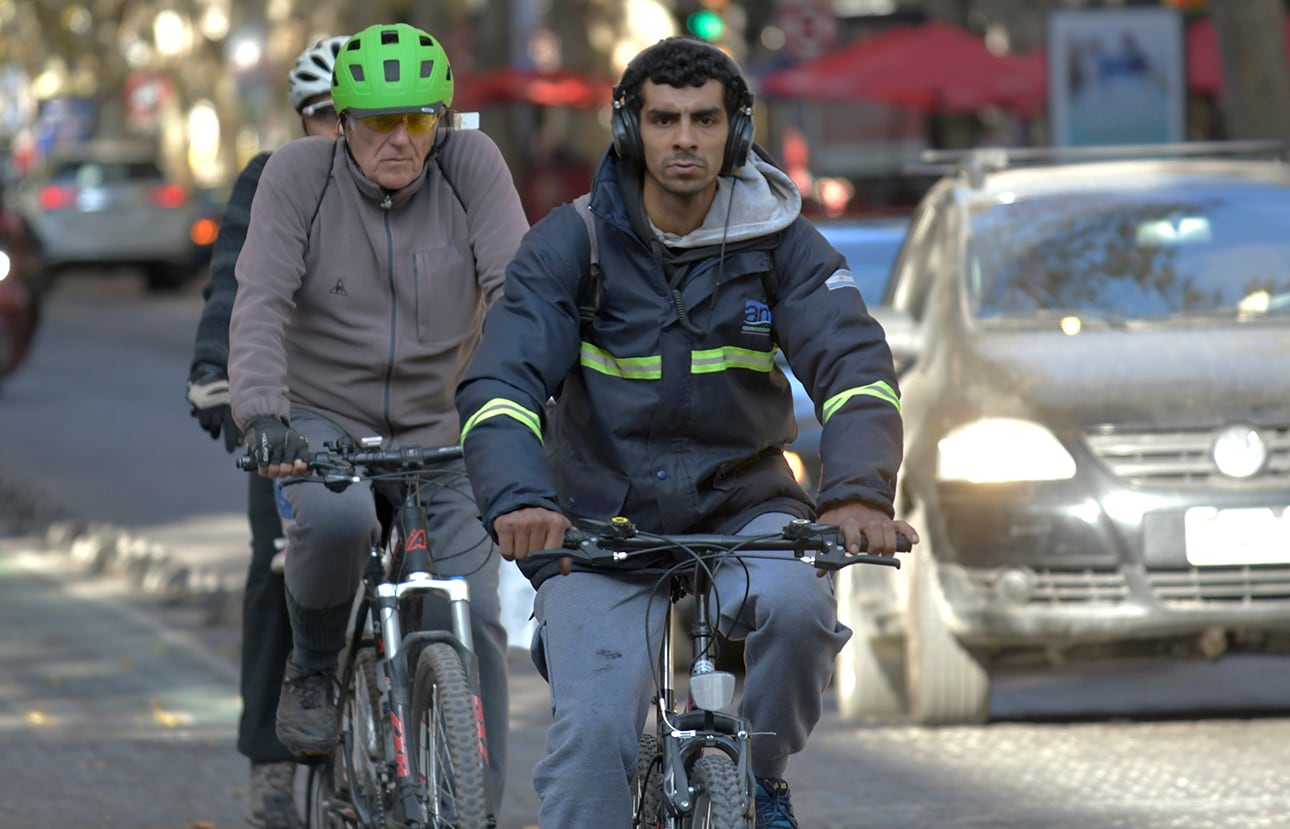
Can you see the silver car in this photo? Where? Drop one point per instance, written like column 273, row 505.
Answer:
column 107, row 204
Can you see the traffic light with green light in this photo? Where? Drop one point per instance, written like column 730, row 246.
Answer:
column 706, row 24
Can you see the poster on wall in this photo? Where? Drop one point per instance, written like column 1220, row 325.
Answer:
column 1116, row 76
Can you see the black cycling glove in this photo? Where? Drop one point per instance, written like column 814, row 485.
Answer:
column 208, row 396
column 269, row 440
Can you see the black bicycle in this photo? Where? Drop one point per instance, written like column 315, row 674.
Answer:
column 694, row 769
column 412, row 752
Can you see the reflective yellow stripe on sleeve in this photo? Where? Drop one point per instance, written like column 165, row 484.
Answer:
column 713, row 360
column 628, row 368
column 879, row 389
column 509, row 408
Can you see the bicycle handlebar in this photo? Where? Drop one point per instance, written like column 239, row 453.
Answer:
column 619, row 540
column 343, row 458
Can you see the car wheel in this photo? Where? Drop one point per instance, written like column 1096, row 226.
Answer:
column 164, row 278
column 947, row 683
column 868, row 678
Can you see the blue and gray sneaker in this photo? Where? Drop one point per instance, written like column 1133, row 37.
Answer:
column 774, row 806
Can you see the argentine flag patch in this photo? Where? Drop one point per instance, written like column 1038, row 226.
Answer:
column 841, row 278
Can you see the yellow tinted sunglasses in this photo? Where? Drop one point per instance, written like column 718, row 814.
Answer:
column 417, row 122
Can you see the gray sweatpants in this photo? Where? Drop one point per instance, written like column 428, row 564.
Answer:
column 328, row 546
column 591, row 646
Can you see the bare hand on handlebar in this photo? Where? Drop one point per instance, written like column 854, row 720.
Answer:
column 858, row 522
column 522, row 531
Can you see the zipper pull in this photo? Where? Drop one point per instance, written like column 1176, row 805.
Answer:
column 386, row 203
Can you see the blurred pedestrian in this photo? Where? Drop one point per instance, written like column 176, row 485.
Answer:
column 266, row 626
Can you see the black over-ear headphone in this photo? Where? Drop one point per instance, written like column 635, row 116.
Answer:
column 624, row 125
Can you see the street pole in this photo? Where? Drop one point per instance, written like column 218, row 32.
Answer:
column 1256, row 86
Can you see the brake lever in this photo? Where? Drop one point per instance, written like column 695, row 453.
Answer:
column 835, row 555
column 582, row 546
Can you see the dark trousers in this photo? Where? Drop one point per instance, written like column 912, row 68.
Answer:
column 266, row 631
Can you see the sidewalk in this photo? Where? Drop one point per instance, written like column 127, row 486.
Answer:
column 203, row 561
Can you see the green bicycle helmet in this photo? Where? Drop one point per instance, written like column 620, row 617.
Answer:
column 391, row 68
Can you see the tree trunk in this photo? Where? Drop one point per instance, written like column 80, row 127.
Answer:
column 1256, row 86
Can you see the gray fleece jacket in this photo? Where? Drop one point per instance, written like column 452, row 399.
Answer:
column 363, row 305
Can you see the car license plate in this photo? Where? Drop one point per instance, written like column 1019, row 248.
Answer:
column 1234, row 537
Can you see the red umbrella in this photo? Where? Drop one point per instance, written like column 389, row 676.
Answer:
column 1204, row 64
column 930, row 67
column 555, row 88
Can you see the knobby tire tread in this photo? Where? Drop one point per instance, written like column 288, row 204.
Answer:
column 440, row 689
column 647, row 785
column 717, row 795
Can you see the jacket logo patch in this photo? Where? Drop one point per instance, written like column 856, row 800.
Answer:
column 756, row 317
column 339, row 288
column 841, row 278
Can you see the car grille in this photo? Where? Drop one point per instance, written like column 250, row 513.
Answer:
column 1227, row 585
column 1178, row 588
column 1060, row 587
column 1180, row 456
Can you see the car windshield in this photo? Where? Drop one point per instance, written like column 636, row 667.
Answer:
column 1181, row 250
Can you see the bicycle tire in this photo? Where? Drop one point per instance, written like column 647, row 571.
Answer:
column 446, row 742
column 320, row 799
column 717, row 795
column 647, row 785
column 358, row 769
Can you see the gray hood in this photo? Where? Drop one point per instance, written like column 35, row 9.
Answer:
column 760, row 199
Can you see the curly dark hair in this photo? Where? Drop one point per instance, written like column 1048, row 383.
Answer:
column 682, row 61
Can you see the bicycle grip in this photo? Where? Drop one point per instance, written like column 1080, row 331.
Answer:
column 902, row 543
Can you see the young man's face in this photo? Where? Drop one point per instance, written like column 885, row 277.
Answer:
column 392, row 159
column 683, row 134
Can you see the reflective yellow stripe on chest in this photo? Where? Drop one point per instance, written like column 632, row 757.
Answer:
column 706, row 361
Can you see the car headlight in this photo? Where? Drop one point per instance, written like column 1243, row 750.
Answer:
column 4, row 265
column 997, row 450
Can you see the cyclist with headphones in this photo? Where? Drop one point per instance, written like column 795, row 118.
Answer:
column 367, row 269
column 670, row 411
column 266, row 629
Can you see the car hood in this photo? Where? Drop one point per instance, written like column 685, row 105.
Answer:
column 1169, row 377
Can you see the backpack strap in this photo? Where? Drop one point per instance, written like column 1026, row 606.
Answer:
column 592, row 290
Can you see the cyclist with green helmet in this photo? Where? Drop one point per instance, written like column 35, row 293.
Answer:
column 368, row 266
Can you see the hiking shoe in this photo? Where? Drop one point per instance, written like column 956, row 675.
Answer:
column 271, row 797
column 774, row 806
column 307, row 710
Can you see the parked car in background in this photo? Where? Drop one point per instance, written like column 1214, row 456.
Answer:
column 1097, row 423
column 870, row 245
column 21, row 285
column 109, row 204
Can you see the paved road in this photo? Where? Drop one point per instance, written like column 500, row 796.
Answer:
column 96, row 423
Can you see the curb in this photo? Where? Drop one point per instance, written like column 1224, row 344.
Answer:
column 100, row 548
column 105, row 549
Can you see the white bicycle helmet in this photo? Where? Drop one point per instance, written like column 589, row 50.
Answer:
column 312, row 73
